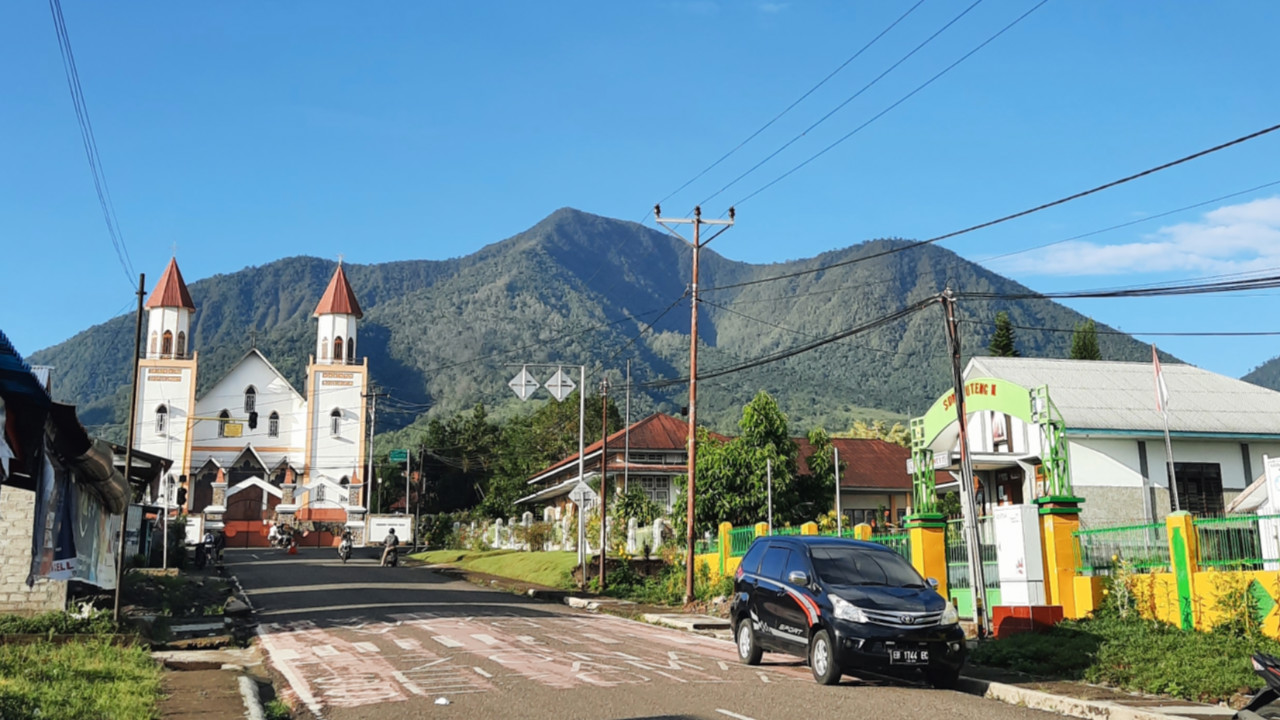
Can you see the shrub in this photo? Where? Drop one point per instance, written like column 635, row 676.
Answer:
column 537, row 535
column 635, row 504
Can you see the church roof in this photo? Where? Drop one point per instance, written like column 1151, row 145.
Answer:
column 171, row 291
column 339, row 298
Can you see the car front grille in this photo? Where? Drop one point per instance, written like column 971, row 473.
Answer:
column 903, row 619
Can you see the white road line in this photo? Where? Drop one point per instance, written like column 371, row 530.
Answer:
column 669, row 675
column 724, row 665
column 734, row 715
column 407, row 644
column 569, row 641
column 367, row 647
column 527, row 640
column 324, row 650
column 486, row 639
column 601, row 639
column 764, row 678
column 482, row 672
column 447, row 641
column 286, row 654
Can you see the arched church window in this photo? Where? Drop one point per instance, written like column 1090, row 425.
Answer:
column 162, row 416
column 324, row 348
column 351, row 349
column 273, row 425
column 319, row 493
column 250, row 399
column 335, row 422
column 154, row 338
column 223, row 418
column 166, row 344
column 345, row 481
column 181, row 350
column 337, row 349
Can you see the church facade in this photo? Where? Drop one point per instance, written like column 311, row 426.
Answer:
column 251, row 447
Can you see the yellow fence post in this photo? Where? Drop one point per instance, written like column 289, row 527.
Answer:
column 725, row 545
column 862, row 531
column 762, row 529
column 927, row 534
column 809, row 528
column 1059, row 520
column 1184, row 555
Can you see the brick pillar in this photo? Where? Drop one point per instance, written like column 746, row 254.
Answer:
column 725, row 547
column 1059, row 519
column 862, row 531
column 1184, row 556
column 927, row 533
column 809, row 528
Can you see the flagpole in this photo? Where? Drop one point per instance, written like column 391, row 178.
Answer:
column 1162, row 402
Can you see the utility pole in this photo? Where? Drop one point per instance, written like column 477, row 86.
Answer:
column 967, row 487
column 369, row 483
column 626, row 439
column 604, row 475
column 697, row 244
column 839, row 510
column 128, row 448
column 768, row 484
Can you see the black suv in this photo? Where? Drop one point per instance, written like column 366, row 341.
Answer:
column 844, row 605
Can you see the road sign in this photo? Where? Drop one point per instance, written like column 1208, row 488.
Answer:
column 582, row 493
column 398, row 456
column 523, row 384
column 560, row 385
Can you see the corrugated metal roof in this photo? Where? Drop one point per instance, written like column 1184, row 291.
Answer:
column 868, row 463
column 1103, row 395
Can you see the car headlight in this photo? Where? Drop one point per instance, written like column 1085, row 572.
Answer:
column 949, row 616
column 846, row 610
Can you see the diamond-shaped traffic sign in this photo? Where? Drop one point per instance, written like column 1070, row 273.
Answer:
column 560, row 385
column 523, row 384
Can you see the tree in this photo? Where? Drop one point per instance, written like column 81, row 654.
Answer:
column 1002, row 341
column 1084, row 342
column 899, row 434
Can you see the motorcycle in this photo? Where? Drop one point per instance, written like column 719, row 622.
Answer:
column 1266, row 704
column 392, row 558
column 344, row 549
column 204, row 551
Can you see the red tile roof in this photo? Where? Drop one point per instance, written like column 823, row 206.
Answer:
column 867, row 463
column 339, row 298
column 656, row 432
column 171, row 291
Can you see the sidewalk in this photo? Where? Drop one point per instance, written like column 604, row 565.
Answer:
column 1082, row 700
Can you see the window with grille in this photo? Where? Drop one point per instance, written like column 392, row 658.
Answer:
column 223, row 418
column 162, row 415
column 1199, row 488
column 273, row 425
column 250, row 399
column 335, row 422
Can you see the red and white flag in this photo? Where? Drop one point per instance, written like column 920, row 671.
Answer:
column 1162, row 390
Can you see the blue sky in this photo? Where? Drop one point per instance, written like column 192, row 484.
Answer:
column 249, row 131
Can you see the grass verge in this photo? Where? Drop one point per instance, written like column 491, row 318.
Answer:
column 550, row 569
column 91, row 678
column 1136, row 655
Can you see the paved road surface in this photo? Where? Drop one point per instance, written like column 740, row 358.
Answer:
column 360, row 641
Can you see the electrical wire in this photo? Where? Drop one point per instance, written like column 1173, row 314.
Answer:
column 1007, row 218
column 1259, row 283
column 1210, row 333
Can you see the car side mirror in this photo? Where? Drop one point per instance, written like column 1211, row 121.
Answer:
column 798, row 577
column 932, row 583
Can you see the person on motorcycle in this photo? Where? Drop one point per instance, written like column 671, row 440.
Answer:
column 344, row 548
column 219, row 544
column 273, row 535
column 389, row 546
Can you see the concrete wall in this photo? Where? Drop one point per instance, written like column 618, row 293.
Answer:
column 17, row 512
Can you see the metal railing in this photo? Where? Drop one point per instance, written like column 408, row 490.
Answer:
column 788, row 531
column 1143, row 548
column 740, row 540
column 957, row 556
column 706, row 547
column 898, row 542
column 1240, row 542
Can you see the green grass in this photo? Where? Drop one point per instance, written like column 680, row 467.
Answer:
column 1136, row 655
column 88, row 679
column 542, row 568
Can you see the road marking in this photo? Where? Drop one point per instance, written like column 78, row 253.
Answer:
column 569, row 641
column 286, row 654
column 527, row 640
column 601, row 639
column 724, row 665
column 367, row 647
column 669, row 675
column 764, row 678
column 447, row 641
column 482, row 672
column 734, row 715
column 324, row 650
column 486, row 639
column 407, row 644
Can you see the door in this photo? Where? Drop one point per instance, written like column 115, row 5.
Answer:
column 793, row 613
column 777, row 607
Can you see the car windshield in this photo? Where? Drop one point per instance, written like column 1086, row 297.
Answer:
column 856, row 566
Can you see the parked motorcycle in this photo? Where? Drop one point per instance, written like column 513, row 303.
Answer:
column 344, row 549
column 1266, row 704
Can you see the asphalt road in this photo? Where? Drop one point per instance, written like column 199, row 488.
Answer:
column 360, row 641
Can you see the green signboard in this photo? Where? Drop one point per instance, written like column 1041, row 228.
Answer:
column 398, row 456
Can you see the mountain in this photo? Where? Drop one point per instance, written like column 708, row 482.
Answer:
column 576, row 287
column 1267, row 374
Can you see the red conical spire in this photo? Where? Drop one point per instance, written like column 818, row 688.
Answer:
column 171, row 291
column 339, row 298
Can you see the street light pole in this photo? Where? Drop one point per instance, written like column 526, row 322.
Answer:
column 690, row 486
column 604, row 475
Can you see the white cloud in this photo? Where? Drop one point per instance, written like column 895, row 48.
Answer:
column 1233, row 238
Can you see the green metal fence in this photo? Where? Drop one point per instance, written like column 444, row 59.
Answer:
column 1143, row 548
column 958, row 586
column 705, row 547
column 740, row 540
column 1237, row 542
column 898, row 542
column 788, row 531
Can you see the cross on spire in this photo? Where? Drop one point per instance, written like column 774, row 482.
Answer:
column 340, row 257
column 253, row 339
column 174, row 249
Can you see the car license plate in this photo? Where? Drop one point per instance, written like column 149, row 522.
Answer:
column 908, row 655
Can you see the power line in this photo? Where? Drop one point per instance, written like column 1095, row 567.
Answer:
column 1007, row 218
column 1259, row 283
column 1211, row 333
column 798, row 100
column 89, row 141
column 848, row 100
column 901, row 100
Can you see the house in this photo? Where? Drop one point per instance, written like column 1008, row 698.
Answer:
column 252, row 446
column 871, row 479
column 1099, row 422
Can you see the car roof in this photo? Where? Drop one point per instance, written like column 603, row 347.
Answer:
column 808, row 541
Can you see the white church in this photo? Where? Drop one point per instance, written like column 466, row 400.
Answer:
column 252, row 447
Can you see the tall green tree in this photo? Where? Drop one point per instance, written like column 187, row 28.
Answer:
column 899, row 434
column 1002, row 340
column 1084, row 342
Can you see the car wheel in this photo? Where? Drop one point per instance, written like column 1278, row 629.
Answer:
column 822, row 659
column 748, row 649
column 942, row 677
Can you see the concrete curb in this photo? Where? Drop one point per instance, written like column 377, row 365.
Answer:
column 1074, row 707
column 252, row 703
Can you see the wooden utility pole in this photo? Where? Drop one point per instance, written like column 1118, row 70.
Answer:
column 604, row 475
column 697, row 244
column 128, row 448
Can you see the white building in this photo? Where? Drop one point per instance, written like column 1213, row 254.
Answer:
column 1220, row 428
column 252, row 443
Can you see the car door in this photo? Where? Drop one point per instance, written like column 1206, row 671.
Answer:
column 795, row 602
column 774, row 599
